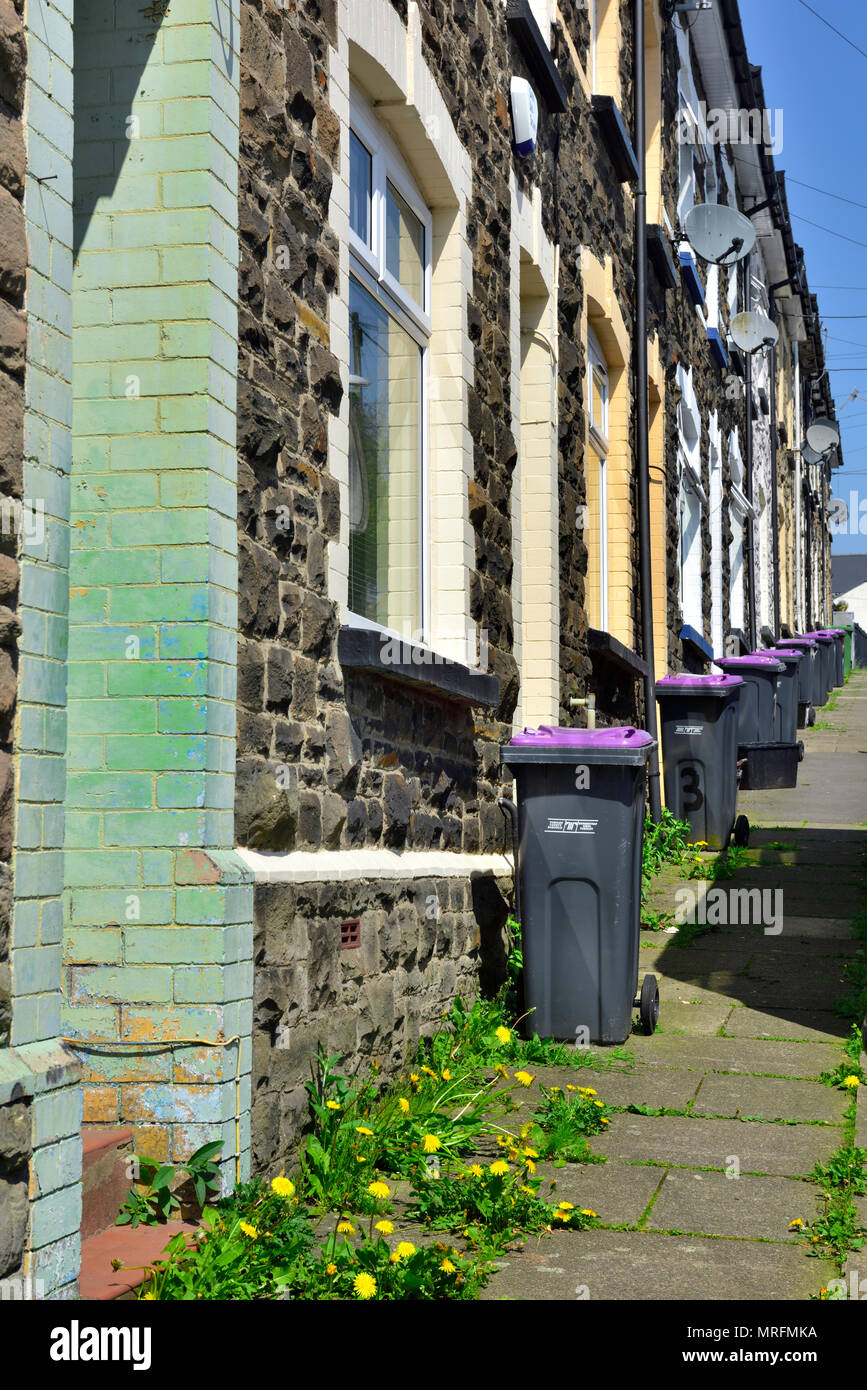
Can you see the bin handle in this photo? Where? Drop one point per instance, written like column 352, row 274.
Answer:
column 510, row 810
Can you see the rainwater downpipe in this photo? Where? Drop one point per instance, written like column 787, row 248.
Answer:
column 641, row 423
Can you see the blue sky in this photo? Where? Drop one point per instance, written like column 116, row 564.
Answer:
column 819, row 83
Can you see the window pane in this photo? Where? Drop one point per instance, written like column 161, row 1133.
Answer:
column 384, row 475
column 360, row 181
column 404, row 245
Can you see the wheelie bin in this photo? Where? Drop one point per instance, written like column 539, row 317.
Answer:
column 765, row 760
column 758, row 700
column 786, row 718
column 580, row 824
column 827, row 660
column 837, row 666
column 700, row 755
column 808, row 676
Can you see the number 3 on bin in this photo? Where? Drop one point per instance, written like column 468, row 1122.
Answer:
column 582, row 777
column 690, row 785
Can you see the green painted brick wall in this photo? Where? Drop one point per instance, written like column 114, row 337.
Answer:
column 157, row 947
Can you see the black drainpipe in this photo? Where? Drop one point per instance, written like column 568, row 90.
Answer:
column 641, row 423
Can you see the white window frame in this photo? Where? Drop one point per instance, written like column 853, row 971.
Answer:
column 367, row 264
column 598, row 433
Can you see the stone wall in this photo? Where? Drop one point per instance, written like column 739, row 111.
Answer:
column 15, row 1151
column 423, row 942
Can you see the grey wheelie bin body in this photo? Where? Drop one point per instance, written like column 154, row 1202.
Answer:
column 700, row 752
column 808, row 673
column 758, row 699
column 837, row 663
column 786, row 719
column 580, row 796
column 827, row 661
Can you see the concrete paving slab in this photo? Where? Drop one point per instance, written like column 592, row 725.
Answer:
column 646, row 1266
column 779, row 1150
column 770, row 1098
column 749, row 1207
column 619, row 1193
column 749, row 1055
column 812, row 1025
column 648, row 1086
column 704, row 1019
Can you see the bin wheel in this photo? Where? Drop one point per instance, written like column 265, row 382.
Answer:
column 741, row 832
column 800, row 751
column 811, row 717
column 648, row 1004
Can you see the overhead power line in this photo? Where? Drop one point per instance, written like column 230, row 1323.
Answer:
column 825, row 192
column 829, row 25
column 830, row 230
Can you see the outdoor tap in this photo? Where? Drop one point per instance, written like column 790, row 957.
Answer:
column 587, row 701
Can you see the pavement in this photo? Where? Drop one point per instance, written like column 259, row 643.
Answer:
column 720, row 1115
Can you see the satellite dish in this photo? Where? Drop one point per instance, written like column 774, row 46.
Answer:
column 752, row 331
column 823, row 435
column 718, row 233
column 809, row 455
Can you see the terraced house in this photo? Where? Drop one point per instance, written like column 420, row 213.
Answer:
column 322, row 407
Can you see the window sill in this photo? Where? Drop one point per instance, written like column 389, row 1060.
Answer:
column 607, row 648
column 691, row 638
column 373, row 650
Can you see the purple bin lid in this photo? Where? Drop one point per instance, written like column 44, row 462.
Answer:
column 821, row 635
column 781, row 653
column 799, row 642
column 549, row 736
column 684, row 679
column 830, row 632
column 756, row 662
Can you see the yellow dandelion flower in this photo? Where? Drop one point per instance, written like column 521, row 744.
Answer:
column 405, row 1249
column 345, row 1228
column 249, row 1230
column 852, row 1082
column 427, row 1071
column 332, row 1105
column 446, row 1266
column 587, row 1211
column 362, row 1129
column 379, row 1189
column 796, row 1224
column 529, row 1165
column 415, row 1078
column 589, row 1091
column 499, row 1168
column 529, row 1191
column 283, row 1186
column 530, row 1153
column 331, row 1268
column 560, row 1216
column 603, row 1119
column 503, row 1035
column 447, row 1076
column 566, row 1206
column 524, row 1077
column 403, row 1104
column 476, row 1170
column 385, row 1227
column 572, row 1088
column 430, row 1143
column 599, row 1103
column 364, row 1285
column 394, row 1258
column 360, row 1158
column 501, row 1071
